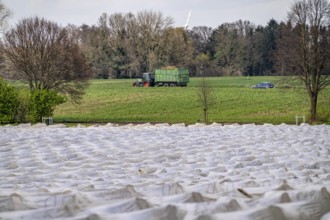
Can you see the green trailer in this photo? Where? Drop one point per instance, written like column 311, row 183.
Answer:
column 171, row 77
column 164, row 77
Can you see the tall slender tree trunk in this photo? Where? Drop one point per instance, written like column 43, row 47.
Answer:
column 313, row 109
column 205, row 116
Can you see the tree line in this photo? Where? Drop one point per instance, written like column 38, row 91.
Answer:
column 60, row 60
column 126, row 45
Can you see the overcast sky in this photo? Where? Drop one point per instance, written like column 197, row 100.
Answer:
column 210, row 13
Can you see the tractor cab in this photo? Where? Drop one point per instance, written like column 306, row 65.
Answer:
column 148, row 79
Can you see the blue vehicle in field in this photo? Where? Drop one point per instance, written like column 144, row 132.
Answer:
column 264, row 85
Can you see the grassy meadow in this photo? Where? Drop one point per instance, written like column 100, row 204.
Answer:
column 117, row 101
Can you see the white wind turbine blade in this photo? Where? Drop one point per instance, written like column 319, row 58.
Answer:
column 186, row 25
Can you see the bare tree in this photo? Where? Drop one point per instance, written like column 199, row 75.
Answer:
column 206, row 97
column 311, row 20
column 201, row 36
column 44, row 55
column 5, row 14
column 129, row 44
column 150, row 37
column 123, row 58
column 178, row 47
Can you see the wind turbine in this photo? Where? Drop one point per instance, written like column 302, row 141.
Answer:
column 186, row 25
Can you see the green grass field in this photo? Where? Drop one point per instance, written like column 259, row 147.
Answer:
column 117, row 101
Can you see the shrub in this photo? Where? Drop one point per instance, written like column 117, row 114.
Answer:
column 42, row 103
column 24, row 106
column 8, row 102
